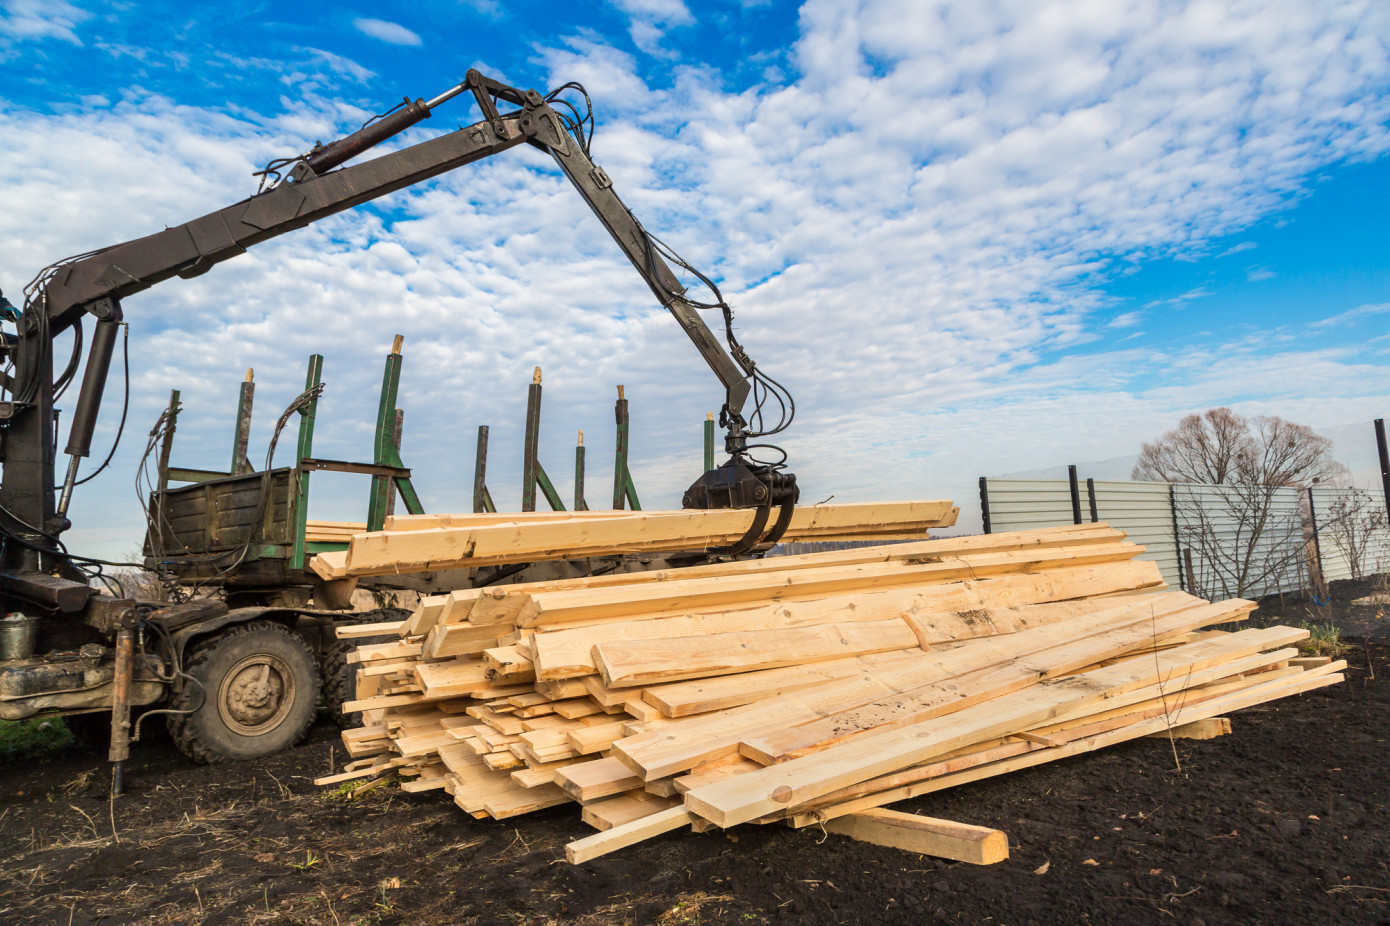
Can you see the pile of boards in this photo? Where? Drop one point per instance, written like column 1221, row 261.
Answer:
column 421, row 543
column 801, row 689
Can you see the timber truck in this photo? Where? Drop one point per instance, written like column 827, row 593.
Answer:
column 237, row 669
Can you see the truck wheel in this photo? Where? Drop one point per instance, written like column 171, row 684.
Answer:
column 340, row 676
column 260, row 692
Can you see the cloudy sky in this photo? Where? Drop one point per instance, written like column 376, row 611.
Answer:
column 972, row 237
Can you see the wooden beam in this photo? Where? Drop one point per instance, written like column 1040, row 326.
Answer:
column 747, row 797
column 681, row 595
column 960, row 842
column 1252, row 695
column 645, row 661
column 503, row 603
column 386, row 552
column 627, row 834
column 1207, row 729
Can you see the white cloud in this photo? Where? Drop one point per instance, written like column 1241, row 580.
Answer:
column 1352, row 315
column 909, row 233
column 650, row 20
column 29, row 20
column 389, row 32
column 1126, row 320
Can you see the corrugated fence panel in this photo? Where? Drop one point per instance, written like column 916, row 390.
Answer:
column 1352, row 535
column 1026, row 504
column 1143, row 511
column 1140, row 509
column 1241, row 546
column 1243, row 542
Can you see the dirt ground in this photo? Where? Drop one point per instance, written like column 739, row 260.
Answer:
column 1285, row 820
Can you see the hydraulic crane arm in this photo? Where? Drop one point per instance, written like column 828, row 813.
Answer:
column 316, row 191
column 317, row 185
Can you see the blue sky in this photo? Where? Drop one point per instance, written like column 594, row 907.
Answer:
column 972, row 237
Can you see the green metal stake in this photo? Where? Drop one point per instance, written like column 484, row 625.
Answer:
column 396, row 431
column 166, row 447
column 579, row 503
column 381, row 449
column 241, row 465
column 384, row 452
column 482, row 498
column 307, row 415
column 709, row 441
column 623, row 489
column 532, row 472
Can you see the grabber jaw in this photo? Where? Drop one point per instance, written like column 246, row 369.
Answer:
column 736, row 484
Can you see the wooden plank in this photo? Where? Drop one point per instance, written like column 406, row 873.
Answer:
column 452, row 679
column 717, row 770
column 426, row 614
column 524, row 800
column 681, row 699
column 939, row 613
column 358, row 631
column 1062, row 730
column 960, row 842
column 504, row 603
column 507, row 660
column 627, row 834
column 387, row 552
column 590, row 781
column 639, row 662
column 407, row 522
column 373, row 652
column 1207, row 729
column 703, row 594
column 562, row 690
column 700, row 739
column 460, row 640
column 578, row 707
column 747, row 797
column 1036, row 654
column 1255, row 694
column 624, row 808
column 595, row 739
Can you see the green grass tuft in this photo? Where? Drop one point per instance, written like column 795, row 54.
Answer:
column 1323, row 640
column 35, row 736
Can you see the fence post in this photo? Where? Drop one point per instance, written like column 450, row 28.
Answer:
column 1091, row 494
column 1185, row 584
column 1317, row 541
column 984, row 503
column 1191, row 579
column 1075, row 495
column 1384, row 462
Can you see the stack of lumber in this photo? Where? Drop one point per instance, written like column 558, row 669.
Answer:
column 803, row 689
column 422, row 543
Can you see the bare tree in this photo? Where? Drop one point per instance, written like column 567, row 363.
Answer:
column 1353, row 523
column 1238, row 502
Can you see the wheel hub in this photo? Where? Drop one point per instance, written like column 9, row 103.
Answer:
column 256, row 694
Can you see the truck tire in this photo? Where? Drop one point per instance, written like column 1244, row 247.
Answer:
column 259, row 695
column 340, row 676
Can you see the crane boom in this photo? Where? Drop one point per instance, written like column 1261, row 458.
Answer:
column 317, row 185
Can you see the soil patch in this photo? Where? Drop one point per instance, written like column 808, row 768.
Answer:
column 1284, row 820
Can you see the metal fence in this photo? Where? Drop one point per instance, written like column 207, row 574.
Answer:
column 1352, row 538
column 1216, row 541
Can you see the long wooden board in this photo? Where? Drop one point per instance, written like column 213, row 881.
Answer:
column 747, row 797
column 388, row 552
